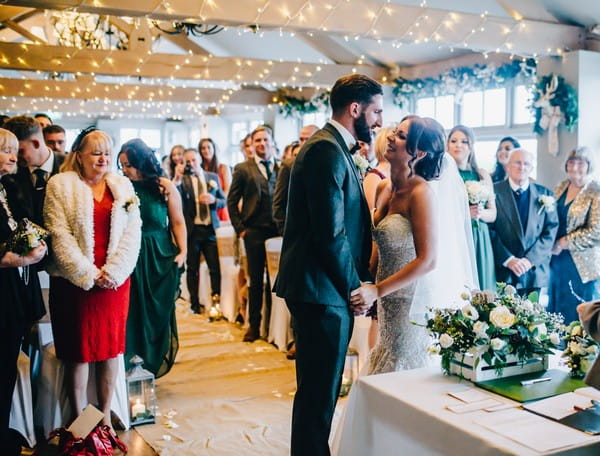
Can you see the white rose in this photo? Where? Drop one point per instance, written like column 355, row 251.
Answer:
column 542, row 330
column 470, row 312
column 480, row 328
column 576, row 331
column 502, row 317
column 510, row 291
column 497, row 344
column 446, row 340
column 555, row 338
column 527, row 305
column 490, row 296
column 576, row 348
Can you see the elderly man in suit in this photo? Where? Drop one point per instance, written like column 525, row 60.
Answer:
column 201, row 196
column 525, row 227
column 589, row 314
column 325, row 255
column 37, row 163
column 253, row 183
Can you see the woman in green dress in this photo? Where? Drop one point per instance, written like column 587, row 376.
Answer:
column 151, row 323
column 461, row 141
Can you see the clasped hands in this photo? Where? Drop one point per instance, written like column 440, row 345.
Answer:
column 206, row 198
column 519, row 266
column 104, row 281
column 363, row 297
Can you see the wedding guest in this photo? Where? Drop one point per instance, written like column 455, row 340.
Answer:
column 202, row 196
column 525, row 227
column 246, row 147
column 21, row 302
column 288, row 151
column 589, row 314
column 253, row 183
column 55, row 138
column 505, row 145
column 575, row 264
column 461, row 146
column 306, row 132
column 325, row 255
column 151, row 324
column 176, row 163
column 43, row 120
column 280, row 198
column 37, row 164
column 94, row 221
column 210, row 163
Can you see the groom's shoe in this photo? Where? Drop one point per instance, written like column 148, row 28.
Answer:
column 251, row 335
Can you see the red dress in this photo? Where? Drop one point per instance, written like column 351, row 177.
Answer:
column 89, row 326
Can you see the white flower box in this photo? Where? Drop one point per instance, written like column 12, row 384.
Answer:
column 462, row 365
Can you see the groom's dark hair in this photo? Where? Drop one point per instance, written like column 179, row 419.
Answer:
column 353, row 88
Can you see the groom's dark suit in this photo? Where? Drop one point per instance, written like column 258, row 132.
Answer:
column 325, row 254
column 533, row 241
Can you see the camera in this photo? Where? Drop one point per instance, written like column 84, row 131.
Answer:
column 188, row 169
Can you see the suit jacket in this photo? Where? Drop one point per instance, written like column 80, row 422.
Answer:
column 280, row 198
column 189, row 204
column 327, row 239
column 508, row 238
column 583, row 229
column 22, row 195
column 246, row 186
column 590, row 319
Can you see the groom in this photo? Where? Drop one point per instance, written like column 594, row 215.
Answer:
column 325, row 254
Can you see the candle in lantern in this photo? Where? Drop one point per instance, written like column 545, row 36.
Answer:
column 138, row 408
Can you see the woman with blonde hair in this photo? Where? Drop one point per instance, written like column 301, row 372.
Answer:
column 94, row 221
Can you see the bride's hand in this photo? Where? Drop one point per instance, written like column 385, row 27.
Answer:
column 362, row 298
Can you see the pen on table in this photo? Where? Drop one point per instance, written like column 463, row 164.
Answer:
column 535, row 380
column 578, row 409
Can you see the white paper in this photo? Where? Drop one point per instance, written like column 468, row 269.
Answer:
column 473, row 406
column 470, row 395
column 590, row 392
column 533, row 431
column 557, row 407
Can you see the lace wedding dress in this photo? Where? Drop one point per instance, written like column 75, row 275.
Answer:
column 401, row 344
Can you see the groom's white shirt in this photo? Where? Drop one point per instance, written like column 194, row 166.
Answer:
column 346, row 135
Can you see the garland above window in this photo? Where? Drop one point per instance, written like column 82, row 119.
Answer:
column 457, row 81
column 554, row 101
column 297, row 107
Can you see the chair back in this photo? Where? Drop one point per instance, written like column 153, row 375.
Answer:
column 225, row 240
column 273, row 248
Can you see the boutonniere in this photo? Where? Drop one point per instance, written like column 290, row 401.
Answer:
column 130, row 203
column 361, row 163
column 547, row 203
column 212, row 184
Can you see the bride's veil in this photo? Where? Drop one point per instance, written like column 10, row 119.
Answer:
column 455, row 267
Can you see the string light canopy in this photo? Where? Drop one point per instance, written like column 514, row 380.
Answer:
column 189, row 28
column 90, row 31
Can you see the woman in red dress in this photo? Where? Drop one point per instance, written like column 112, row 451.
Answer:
column 210, row 163
column 93, row 218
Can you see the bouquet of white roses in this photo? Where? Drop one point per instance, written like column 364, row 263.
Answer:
column 581, row 350
column 26, row 237
column 479, row 194
column 493, row 326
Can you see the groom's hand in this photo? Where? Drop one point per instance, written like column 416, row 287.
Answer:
column 363, row 298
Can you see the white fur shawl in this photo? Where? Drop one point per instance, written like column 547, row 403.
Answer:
column 69, row 216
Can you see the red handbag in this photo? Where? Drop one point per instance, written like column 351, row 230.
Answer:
column 100, row 442
column 68, row 445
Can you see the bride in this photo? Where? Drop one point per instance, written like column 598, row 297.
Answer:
column 416, row 266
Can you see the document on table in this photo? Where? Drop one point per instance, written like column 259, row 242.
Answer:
column 558, row 407
column 469, row 395
column 533, row 431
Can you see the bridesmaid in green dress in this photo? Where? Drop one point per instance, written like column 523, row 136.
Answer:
column 151, row 324
column 461, row 141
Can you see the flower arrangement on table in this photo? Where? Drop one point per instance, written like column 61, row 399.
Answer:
column 493, row 326
column 479, row 194
column 581, row 350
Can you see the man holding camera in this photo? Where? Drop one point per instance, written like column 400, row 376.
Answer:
column 202, row 196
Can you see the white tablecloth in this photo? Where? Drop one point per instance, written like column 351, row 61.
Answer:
column 21, row 412
column 404, row 413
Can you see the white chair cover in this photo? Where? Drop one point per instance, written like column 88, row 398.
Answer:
column 21, row 412
column 280, row 328
column 360, row 339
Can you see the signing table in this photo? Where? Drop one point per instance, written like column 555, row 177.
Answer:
column 405, row 413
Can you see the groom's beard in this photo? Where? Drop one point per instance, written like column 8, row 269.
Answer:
column 362, row 129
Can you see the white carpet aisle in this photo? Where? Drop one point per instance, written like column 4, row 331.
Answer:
column 230, row 397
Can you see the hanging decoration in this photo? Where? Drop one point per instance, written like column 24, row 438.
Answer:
column 297, row 107
column 457, row 81
column 189, row 28
column 554, row 101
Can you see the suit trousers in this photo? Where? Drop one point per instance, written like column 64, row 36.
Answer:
column 202, row 240
column 322, row 337
column 9, row 352
column 254, row 242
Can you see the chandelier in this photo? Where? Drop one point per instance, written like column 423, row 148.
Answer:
column 91, row 31
column 189, row 28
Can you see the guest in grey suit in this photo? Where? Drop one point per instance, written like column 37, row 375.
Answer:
column 325, row 254
column 253, row 183
column 524, row 231
column 589, row 314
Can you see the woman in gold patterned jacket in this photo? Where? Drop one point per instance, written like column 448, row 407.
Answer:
column 575, row 264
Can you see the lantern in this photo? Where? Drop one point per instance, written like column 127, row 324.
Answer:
column 350, row 373
column 141, row 393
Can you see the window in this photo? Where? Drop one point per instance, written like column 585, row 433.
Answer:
column 315, row 118
column 440, row 108
column 484, row 108
column 521, row 112
column 485, row 152
column 151, row 136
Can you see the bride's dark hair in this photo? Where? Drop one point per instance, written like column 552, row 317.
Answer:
column 426, row 135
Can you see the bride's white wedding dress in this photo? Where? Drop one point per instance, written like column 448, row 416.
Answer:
column 401, row 344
